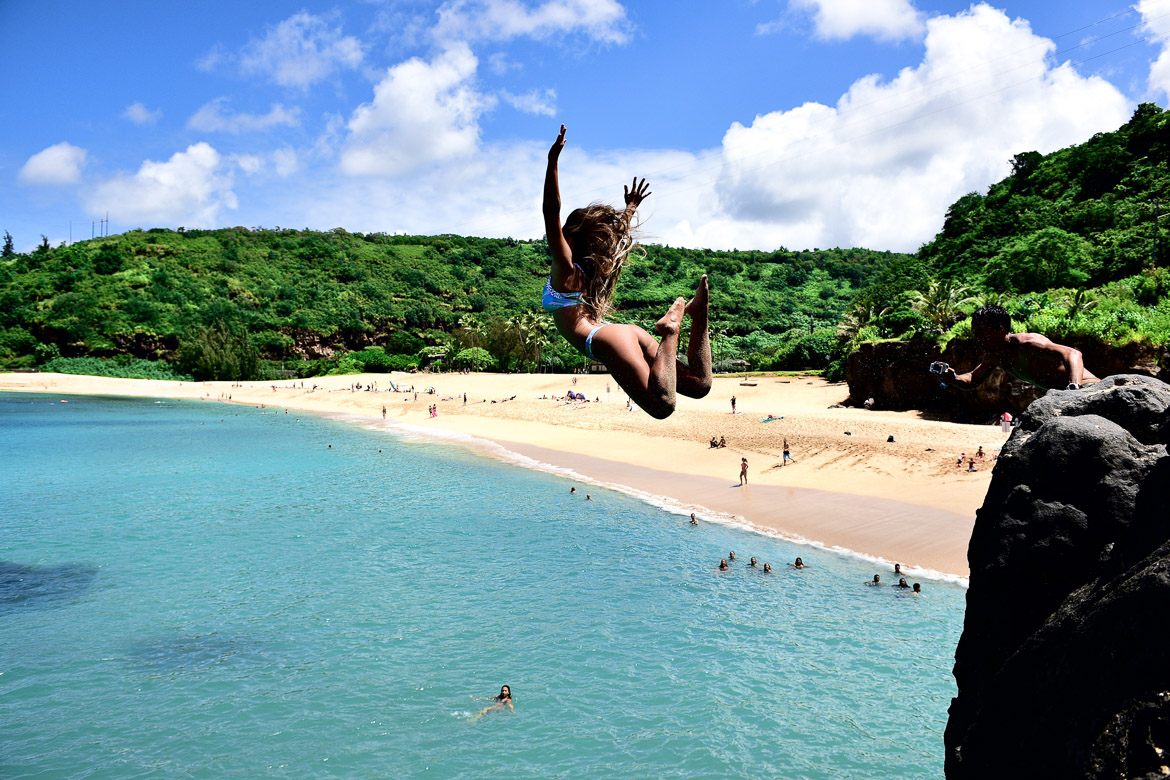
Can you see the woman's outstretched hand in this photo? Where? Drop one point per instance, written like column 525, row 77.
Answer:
column 635, row 193
column 558, row 144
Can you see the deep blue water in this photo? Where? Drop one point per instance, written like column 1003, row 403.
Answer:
column 201, row 590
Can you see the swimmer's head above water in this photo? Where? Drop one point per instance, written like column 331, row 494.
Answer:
column 505, row 693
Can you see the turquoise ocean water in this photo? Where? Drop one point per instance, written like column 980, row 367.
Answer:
column 203, row 590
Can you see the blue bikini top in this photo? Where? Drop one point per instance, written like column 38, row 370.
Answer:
column 553, row 299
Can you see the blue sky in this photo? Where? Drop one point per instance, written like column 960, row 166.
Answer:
column 760, row 123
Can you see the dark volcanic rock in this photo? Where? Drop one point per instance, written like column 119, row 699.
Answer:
column 1060, row 669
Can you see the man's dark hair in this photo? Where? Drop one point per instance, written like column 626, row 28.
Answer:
column 992, row 317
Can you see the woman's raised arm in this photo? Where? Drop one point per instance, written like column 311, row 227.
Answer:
column 561, row 253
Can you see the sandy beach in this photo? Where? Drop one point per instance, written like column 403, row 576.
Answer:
column 849, row 487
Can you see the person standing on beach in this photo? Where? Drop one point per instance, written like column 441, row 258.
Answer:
column 743, row 471
column 787, row 454
column 383, row 411
column 733, row 404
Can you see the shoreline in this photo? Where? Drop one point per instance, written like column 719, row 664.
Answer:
column 855, row 502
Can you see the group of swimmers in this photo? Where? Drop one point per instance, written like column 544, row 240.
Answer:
column 752, row 564
column 876, row 582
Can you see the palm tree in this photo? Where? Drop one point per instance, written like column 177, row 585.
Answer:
column 863, row 315
column 538, row 328
column 1079, row 304
column 472, row 328
column 941, row 303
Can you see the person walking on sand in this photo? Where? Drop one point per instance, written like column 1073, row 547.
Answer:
column 787, row 454
column 588, row 253
column 383, row 411
column 743, row 471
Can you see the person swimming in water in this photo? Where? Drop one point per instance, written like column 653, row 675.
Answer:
column 504, row 699
column 798, row 565
column 877, row 580
column 723, row 564
column 902, row 583
column 588, row 253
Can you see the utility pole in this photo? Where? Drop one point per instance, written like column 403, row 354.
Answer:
column 1154, row 247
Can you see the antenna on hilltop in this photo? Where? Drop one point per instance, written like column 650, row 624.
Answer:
column 105, row 226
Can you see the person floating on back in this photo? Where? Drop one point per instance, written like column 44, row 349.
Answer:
column 1028, row 356
column 588, row 253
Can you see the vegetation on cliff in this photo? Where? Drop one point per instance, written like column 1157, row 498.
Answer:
column 1070, row 243
column 237, row 302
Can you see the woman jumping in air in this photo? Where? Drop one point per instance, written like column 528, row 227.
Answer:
column 587, row 258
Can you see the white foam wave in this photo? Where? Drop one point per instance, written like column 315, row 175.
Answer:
column 665, row 503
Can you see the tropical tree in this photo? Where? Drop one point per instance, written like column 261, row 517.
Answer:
column 941, row 304
column 862, row 316
column 474, row 358
column 1079, row 303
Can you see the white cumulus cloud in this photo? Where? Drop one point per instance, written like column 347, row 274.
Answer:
column 880, row 167
column 1156, row 22
column 214, row 117
column 501, row 20
column 141, row 115
column 542, row 102
column 191, row 188
column 298, row 52
column 58, row 164
column 882, row 19
column 422, row 112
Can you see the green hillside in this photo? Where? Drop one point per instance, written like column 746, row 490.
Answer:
column 1069, row 242
column 334, row 302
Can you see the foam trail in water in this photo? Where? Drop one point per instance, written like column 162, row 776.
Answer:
column 665, row 503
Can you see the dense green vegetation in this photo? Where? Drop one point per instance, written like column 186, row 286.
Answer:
column 1069, row 243
column 239, row 303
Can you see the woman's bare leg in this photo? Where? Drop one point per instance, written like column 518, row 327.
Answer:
column 645, row 368
column 663, row 374
column 694, row 379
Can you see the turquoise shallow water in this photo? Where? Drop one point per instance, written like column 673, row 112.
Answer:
column 202, row 590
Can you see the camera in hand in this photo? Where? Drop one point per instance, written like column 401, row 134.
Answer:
column 938, row 367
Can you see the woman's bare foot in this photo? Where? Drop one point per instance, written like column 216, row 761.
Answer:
column 698, row 304
column 669, row 324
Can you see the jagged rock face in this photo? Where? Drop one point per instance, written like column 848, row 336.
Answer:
column 1063, row 668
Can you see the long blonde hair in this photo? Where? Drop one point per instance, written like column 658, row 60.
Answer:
column 602, row 239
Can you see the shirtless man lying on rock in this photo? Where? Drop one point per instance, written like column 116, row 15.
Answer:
column 1029, row 356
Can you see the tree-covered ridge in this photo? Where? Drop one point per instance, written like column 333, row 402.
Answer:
column 289, row 294
column 1070, row 243
column 1079, row 216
